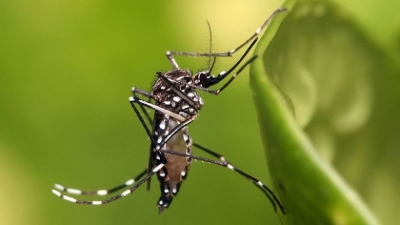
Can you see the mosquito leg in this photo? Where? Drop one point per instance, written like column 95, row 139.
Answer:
column 131, row 99
column 161, row 141
column 231, row 52
column 254, row 181
column 170, row 54
column 136, row 90
column 216, row 92
column 211, row 152
column 143, row 103
column 150, row 163
column 155, row 107
column 172, row 60
column 214, row 79
column 100, row 192
column 123, row 194
column 228, row 53
column 152, row 106
column 268, row 192
column 223, row 74
column 236, row 74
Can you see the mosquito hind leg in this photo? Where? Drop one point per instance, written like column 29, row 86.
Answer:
column 100, row 192
column 116, row 197
column 267, row 191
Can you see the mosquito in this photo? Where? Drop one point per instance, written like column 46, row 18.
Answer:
column 176, row 104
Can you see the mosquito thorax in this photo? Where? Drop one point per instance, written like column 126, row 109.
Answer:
column 184, row 101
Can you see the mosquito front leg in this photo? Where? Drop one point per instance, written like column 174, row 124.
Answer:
column 222, row 76
column 172, row 60
column 230, row 52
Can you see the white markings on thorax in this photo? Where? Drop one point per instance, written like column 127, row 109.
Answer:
column 176, row 98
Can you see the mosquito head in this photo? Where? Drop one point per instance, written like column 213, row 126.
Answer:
column 203, row 79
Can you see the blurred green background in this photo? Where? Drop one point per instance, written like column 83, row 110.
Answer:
column 66, row 70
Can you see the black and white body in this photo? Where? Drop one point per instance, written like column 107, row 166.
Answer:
column 175, row 100
column 186, row 107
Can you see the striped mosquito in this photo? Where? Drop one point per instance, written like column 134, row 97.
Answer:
column 176, row 103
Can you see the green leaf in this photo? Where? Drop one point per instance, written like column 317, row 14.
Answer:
column 312, row 87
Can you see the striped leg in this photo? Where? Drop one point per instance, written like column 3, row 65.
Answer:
column 268, row 192
column 170, row 54
column 184, row 122
column 159, row 142
column 103, row 192
column 102, row 202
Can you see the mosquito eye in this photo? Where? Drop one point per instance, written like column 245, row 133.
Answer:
column 204, row 80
